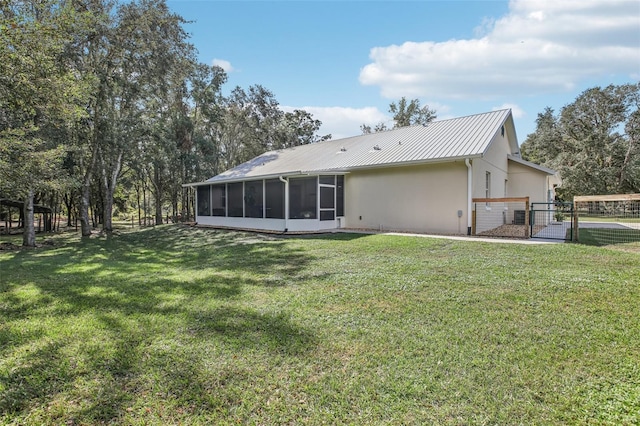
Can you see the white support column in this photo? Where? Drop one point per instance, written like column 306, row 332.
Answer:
column 286, row 202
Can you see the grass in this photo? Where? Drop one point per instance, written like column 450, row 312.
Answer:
column 174, row 325
column 609, row 219
column 610, row 236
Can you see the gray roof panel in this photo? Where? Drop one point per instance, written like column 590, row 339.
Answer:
column 437, row 141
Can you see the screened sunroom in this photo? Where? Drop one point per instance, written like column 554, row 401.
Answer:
column 287, row 204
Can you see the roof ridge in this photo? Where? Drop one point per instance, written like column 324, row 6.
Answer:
column 472, row 115
column 419, row 125
column 443, row 140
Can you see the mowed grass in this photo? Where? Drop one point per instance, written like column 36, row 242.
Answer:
column 610, row 236
column 175, row 325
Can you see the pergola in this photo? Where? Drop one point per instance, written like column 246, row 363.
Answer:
column 5, row 214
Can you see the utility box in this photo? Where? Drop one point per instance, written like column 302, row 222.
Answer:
column 519, row 217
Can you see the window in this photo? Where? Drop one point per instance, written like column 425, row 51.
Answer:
column 487, row 190
column 327, row 197
column 303, row 198
column 204, row 200
column 274, row 199
column 327, row 180
column 327, row 214
column 219, row 200
column 327, row 202
column 235, row 204
column 253, row 199
column 340, row 195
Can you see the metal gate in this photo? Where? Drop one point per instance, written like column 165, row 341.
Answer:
column 552, row 221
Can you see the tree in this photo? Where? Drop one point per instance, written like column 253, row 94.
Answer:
column 630, row 173
column 409, row 114
column 546, row 141
column 91, row 90
column 39, row 95
column 131, row 56
column 404, row 114
column 593, row 142
column 298, row 128
column 253, row 123
column 380, row 127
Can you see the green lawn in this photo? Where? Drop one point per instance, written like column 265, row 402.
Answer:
column 175, row 325
column 606, row 219
column 609, row 236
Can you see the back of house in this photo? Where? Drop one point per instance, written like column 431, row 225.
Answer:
column 414, row 179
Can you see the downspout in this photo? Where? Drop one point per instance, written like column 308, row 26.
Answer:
column 286, row 202
column 469, row 194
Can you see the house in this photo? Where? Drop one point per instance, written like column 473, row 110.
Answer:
column 417, row 179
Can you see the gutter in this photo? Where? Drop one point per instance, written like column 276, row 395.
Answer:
column 469, row 194
column 244, row 179
column 286, row 202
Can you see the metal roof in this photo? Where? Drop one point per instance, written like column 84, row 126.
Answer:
column 531, row 165
column 444, row 140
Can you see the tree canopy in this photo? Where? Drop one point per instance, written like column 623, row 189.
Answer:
column 103, row 105
column 404, row 114
column 594, row 142
column 39, row 98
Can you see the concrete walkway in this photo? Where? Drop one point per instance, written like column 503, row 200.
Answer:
column 554, row 231
column 457, row 237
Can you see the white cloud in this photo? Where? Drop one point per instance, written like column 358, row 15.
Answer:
column 539, row 46
column 225, row 65
column 342, row 122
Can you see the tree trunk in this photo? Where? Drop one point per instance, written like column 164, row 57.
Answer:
column 85, row 221
column 158, row 211
column 144, row 203
column 85, row 192
column 157, row 185
column 109, row 181
column 184, row 215
column 29, row 233
column 139, row 206
column 174, row 207
column 107, row 211
column 68, row 203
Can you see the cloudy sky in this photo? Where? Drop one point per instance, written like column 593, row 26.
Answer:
column 346, row 61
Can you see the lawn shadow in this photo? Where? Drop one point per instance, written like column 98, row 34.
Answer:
column 244, row 328
column 111, row 300
column 36, row 374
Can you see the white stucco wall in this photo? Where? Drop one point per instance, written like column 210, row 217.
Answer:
column 525, row 181
column 495, row 162
column 278, row 225
column 242, row 222
column 422, row 198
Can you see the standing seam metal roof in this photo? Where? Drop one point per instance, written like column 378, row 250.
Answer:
column 462, row 137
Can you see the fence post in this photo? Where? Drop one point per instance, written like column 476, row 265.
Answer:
column 527, row 219
column 473, row 220
column 574, row 222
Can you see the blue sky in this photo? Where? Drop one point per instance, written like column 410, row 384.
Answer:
column 346, row 61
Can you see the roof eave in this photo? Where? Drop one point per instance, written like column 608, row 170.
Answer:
column 535, row 166
column 416, row 162
column 334, row 171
